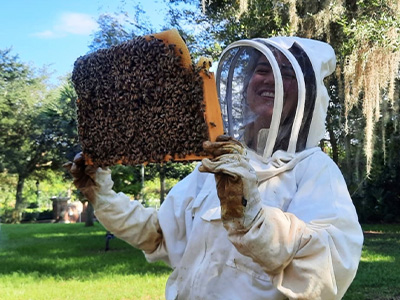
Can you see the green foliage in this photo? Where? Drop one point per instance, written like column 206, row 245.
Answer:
column 111, row 32
column 22, row 99
column 119, row 27
column 223, row 22
column 60, row 133
column 152, row 190
column 37, row 128
column 379, row 199
column 370, row 22
column 7, row 198
column 178, row 170
column 128, row 179
column 37, row 194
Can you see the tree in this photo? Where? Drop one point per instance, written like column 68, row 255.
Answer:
column 60, row 130
column 372, row 62
column 23, row 96
column 128, row 179
column 119, row 27
column 219, row 23
column 37, row 126
column 111, row 32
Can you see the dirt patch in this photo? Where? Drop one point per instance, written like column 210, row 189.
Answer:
column 371, row 234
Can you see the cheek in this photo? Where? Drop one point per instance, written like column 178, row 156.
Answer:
column 251, row 86
column 250, row 95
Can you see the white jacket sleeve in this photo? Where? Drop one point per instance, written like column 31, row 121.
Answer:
column 162, row 235
column 175, row 217
column 126, row 219
column 311, row 251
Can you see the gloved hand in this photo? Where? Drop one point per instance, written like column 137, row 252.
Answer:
column 236, row 182
column 84, row 176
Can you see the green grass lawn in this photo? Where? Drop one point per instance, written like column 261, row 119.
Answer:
column 378, row 276
column 68, row 261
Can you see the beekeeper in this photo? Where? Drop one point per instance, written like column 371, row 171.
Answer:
column 269, row 216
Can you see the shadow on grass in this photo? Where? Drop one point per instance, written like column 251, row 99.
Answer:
column 69, row 251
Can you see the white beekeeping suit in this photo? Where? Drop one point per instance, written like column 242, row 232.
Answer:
column 295, row 233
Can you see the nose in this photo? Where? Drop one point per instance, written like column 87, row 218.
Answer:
column 268, row 78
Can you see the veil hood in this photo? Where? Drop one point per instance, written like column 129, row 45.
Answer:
column 311, row 61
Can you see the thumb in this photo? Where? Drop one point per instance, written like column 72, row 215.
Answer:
column 91, row 171
column 210, row 166
column 67, row 166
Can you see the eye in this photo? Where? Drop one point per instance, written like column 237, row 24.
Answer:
column 263, row 69
column 288, row 74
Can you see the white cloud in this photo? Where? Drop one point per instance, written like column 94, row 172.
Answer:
column 70, row 23
column 45, row 34
column 76, row 23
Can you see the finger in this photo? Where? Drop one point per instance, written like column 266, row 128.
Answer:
column 220, row 148
column 227, row 138
column 91, row 171
column 223, row 138
column 84, row 183
column 218, row 167
column 209, row 166
column 77, row 170
column 79, row 158
column 67, row 165
column 204, row 168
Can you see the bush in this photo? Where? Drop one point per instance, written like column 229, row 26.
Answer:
column 7, row 215
column 45, row 215
column 36, row 215
column 379, row 199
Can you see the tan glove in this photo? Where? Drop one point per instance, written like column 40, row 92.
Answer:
column 84, row 176
column 236, row 182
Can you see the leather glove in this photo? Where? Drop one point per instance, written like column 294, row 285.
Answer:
column 236, row 182
column 84, row 176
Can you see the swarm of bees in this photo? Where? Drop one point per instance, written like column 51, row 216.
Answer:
column 137, row 104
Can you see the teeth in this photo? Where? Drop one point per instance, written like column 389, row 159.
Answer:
column 267, row 94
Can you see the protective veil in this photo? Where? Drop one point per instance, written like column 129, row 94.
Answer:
column 308, row 61
column 303, row 241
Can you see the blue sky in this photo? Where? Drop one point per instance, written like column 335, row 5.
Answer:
column 55, row 33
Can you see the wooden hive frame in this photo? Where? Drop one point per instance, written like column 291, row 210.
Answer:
column 212, row 110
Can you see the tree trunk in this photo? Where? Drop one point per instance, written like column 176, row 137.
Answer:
column 142, row 185
column 332, row 139
column 162, row 184
column 349, row 161
column 89, row 215
column 17, row 214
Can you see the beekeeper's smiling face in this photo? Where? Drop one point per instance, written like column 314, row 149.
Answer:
column 261, row 89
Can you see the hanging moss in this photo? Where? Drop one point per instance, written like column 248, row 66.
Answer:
column 371, row 70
